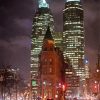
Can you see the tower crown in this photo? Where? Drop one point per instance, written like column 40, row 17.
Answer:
column 48, row 35
column 72, row 0
column 48, row 42
column 43, row 3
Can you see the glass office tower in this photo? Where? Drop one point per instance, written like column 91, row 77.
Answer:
column 41, row 20
column 73, row 35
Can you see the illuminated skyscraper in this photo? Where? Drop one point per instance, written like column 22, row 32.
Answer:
column 41, row 20
column 73, row 35
column 58, row 39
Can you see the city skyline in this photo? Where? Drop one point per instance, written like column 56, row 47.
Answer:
column 17, row 26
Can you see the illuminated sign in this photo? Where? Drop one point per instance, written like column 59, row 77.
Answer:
column 34, row 83
column 42, row 3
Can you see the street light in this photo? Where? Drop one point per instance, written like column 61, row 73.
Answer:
column 63, row 90
column 63, row 87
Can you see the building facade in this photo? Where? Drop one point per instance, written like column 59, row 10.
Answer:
column 41, row 20
column 71, row 80
column 58, row 39
column 73, row 35
column 51, row 69
column 87, row 70
column 96, row 85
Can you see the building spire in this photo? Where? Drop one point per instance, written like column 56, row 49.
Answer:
column 48, row 41
column 48, row 34
column 43, row 3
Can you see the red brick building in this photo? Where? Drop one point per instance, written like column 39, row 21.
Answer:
column 51, row 69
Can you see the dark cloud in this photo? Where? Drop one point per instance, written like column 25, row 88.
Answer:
column 12, row 14
column 16, row 25
column 15, row 31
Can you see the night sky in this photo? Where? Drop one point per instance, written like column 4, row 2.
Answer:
column 16, row 26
